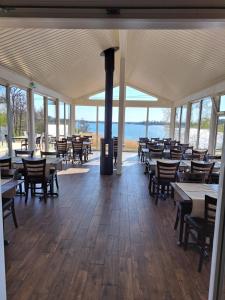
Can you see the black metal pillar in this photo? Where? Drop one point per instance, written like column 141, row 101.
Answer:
column 106, row 158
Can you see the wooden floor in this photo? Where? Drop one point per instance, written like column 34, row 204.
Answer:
column 103, row 238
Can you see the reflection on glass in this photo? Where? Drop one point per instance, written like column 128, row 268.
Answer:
column 205, row 124
column 195, row 108
column 222, row 103
column 219, row 136
column 3, row 121
column 183, row 123
column 135, row 126
column 61, row 119
column 159, row 122
column 39, row 114
column 177, row 124
column 86, row 121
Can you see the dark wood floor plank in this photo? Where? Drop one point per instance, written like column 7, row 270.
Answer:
column 102, row 238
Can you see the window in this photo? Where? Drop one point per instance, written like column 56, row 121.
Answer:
column 132, row 94
column 194, row 123
column 135, row 126
column 39, row 114
column 159, row 122
column 3, row 121
column 86, row 121
column 183, row 123
column 222, row 103
column 205, row 123
column 61, row 119
column 67, row 119
column 51, row 118
column 18, row 102
column 177, row 124
column 219, row 136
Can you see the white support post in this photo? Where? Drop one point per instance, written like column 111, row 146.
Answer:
column 57, row 118
column 122, row 98
column 213, row 125
column 9, row 120
column 187, row 124
column 146, row 127
column 46, row 122
column 172, row 122
column 31, row 122
column 218, row 256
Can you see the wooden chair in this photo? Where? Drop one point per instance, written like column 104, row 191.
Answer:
column 205, row 168
column 176, row 154
column 77, row 150
column 62, row 149
column 24, row 144
column 8, row 208
column 166, row 173
column 199, row 154
column 5, row 163
column 190, row 178
column 204, row 227
column 24, row 153
column 53, row 171
column 115, row 149
column 35, row 173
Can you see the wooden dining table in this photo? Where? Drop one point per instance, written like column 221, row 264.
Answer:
column 190, row 199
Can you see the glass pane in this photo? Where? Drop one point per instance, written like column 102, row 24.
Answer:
column 39, row 114
column 51, row 122
column 205, row 124
column 159, row 122
column 219, row 136
column 67, row 117
column 3, row 121
column 61, row 119
column 195, row 107
column 177, row 124
column 183, row 123
column 135, row 126
column 222, row 103
column 86, row 121
column 18, row 99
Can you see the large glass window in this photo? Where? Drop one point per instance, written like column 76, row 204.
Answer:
column 86, row 121
column 222, row 103
column 18, row 102
column 177, row 124
column 159, row 122
column 194, row 123
column 39, row 114
column 205, row 124
column 219, row 136
column 51, row 118
column 3, row 121
column 67, row 119
column 135, row 126
column 61, row 119
column 183, row 123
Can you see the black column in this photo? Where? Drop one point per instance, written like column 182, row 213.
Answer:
column 106, row 159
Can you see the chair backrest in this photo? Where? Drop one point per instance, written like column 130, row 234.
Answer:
column 167, row 171
column 191, row 177
column 77, row 146
column 61, row 147
column 5, row 163
column 48, row 154
column 155, row 153
column 210, row 209
column 176, row 154
column 197, row 167
column 199, row 154
column 24, row 153
column 38, row 140
column 34, row 169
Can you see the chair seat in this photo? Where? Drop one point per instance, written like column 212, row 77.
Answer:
column 199, row 224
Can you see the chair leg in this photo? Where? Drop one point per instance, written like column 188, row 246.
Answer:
column 26, row 192
column 177, row 220
column 44, row 186
column 56, row 181
column 14, row 214
column 186, row 236
column 157, row 195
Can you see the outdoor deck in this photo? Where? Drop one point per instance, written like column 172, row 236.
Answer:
column 103, row 238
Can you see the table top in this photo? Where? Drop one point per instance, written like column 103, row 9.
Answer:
column 49, row 160
column 8, row 184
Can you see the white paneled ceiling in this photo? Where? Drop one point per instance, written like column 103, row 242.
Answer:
column 170, row 64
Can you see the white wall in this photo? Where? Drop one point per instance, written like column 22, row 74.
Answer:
column 2, row 257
